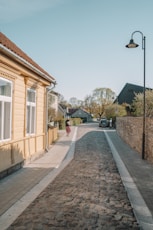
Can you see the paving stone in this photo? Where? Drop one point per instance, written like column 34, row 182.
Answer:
column 87, row 194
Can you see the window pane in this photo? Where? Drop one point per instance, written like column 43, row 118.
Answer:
column 28, row 119
column 31, row 108
column 33, row 120
column 5, row 88
column 7, row 111
column 30, row 96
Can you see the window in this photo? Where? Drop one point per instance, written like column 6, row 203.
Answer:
column 5, row 109
column 31, row 111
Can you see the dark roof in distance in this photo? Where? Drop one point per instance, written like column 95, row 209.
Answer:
column 127, row 94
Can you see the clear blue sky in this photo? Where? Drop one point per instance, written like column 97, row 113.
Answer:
column 81, row 43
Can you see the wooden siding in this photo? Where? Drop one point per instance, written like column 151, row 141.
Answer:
column 41, row 110
column 19, row 108
column 40, row 143
column 5, row 157
column 22, row 147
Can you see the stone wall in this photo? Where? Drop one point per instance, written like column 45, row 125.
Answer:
column 130, row 130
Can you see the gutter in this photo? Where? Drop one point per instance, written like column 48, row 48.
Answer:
column 26, row 64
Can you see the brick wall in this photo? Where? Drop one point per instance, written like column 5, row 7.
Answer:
column 130, row 130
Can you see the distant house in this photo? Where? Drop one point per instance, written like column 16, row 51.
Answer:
column 62, row 110
column 24, row 87
column 79, row 113
column 127, row 94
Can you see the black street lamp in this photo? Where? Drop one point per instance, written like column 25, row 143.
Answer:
column 134, row 45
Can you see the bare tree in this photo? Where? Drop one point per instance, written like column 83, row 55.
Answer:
column 89, row 105
column 73, row 102
column 102, row 97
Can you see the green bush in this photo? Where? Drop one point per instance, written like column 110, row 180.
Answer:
column 73, row 122
column 61, row 124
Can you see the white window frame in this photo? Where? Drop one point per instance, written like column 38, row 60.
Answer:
column 3, row 116
column 31, row 114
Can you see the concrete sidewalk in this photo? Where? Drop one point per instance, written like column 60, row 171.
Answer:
column 18, row 190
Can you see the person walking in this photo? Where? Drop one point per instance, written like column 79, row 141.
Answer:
column 67, row 125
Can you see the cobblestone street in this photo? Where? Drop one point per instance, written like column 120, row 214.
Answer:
column 87, row 194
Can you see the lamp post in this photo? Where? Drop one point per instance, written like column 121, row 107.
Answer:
column 134, row 45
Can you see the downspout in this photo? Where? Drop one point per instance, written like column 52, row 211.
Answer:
column 48, row 90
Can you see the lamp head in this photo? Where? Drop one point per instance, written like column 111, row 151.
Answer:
column 132, row 44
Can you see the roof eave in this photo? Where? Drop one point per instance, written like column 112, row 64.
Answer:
column 27, row 64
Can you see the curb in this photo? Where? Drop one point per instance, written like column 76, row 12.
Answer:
column 140, row 209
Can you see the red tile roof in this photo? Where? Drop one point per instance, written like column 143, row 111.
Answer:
column 16, row 50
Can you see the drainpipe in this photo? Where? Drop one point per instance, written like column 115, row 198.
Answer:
column 48, row 90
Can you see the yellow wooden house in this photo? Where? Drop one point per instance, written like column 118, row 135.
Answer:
column 24, row 89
